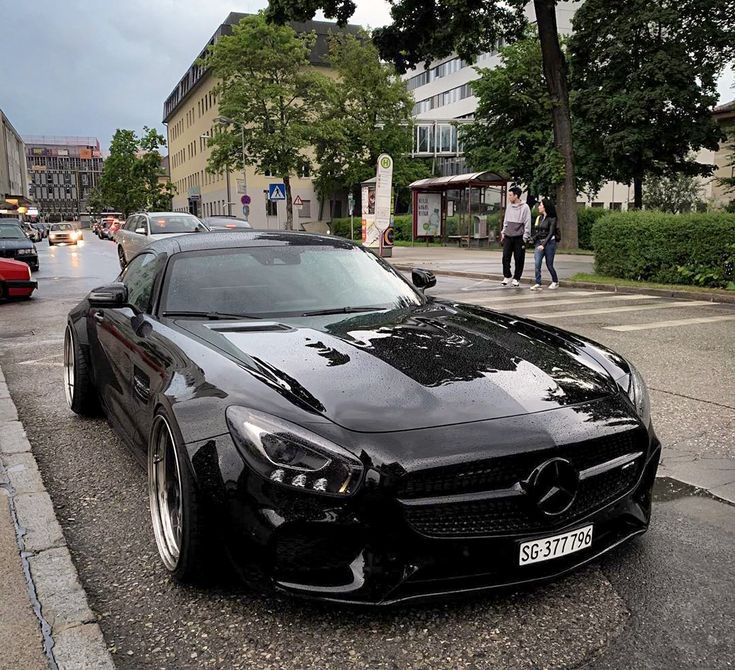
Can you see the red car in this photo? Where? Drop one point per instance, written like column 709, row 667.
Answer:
column 15, row 279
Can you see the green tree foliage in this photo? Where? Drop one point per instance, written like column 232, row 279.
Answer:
column 131, row 176
column 366, row 111
column 674, row 193
column 644, row 76
column 426, row 29
column 268, row 87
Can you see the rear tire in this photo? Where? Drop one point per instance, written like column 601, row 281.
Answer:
column 81, row 395
column 177, row 514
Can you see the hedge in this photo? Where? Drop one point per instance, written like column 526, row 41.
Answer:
column 696, row 248
column 586, row 219
column 403, row 223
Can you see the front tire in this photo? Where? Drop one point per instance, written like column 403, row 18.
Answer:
column 50, row 243
column 78, row 388
column 121, row 258
column 176, row 510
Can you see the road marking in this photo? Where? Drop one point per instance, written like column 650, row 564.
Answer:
column 670, row 324
column 554, row 303
column 616, row 310
column 41, row 361
column 552, row 297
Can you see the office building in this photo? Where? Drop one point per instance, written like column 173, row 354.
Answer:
column 13, row 177
column 62, row 171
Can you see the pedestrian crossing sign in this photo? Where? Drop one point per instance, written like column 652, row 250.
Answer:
column 276, row 191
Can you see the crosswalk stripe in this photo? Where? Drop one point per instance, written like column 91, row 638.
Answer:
column 669, row 324
column 552, row 297
column 554, row 303
column 616, row 310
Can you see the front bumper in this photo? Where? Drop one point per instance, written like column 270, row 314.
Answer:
column 364, row 550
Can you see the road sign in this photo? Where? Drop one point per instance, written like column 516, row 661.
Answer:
column 383, row 190
column 245, row 200
column 246, row 211
column 351, row 204
column 298, row 201
column 241, row 186
column 276, row 191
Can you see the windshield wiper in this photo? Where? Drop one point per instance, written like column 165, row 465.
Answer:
column 343, row 310
column 213, row 316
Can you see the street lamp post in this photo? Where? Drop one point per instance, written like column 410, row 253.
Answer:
column 227, row 120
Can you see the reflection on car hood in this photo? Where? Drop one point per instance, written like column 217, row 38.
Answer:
column 428, row 367
column 15, row 244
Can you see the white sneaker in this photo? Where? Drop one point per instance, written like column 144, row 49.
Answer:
column 505, row 281
column 554, row 284
column 515, row 283
column 536, row 287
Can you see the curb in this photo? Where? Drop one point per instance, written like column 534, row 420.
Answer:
column 72, row 638
column 568, row 283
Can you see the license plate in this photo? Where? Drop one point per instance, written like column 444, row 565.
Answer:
column 555, row 546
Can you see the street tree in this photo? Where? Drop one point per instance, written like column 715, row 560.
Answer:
column 131, row 174
column 675, row 193
column 365, row 111
column 426, row 29
column 269, row 89
column 644, row 76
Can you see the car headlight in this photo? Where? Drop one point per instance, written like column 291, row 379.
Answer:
column 292, row 456
column 637, row 391
column 25, row 252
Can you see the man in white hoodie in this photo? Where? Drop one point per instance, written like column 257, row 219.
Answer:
column 514, row 235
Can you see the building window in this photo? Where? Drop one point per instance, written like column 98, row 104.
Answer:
column 598, row 205
column 271, row 208
column 617, row 206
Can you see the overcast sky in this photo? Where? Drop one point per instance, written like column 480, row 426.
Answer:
column 87, row 67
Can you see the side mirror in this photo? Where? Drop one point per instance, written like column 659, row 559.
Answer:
column 423, row 279
column 111, row 295
column 141, row 231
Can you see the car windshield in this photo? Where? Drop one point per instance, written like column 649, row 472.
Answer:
column 226, row 222
column 268, row 281
column 162, row 224
column 62, row 226
column 11, row 231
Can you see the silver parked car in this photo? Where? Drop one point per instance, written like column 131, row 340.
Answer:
column 140, row 230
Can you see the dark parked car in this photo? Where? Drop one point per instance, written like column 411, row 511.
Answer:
column 347, row 437
column 14, row 243
column 226, row 223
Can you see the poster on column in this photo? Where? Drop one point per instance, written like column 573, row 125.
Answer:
column 428, row 214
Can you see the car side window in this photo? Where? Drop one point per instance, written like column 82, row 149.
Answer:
column 142, row 222
column 139, row 277
column 131, row 223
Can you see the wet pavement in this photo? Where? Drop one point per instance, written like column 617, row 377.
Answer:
column 664, row 600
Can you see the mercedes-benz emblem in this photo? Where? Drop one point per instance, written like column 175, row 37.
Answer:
column 553, row 486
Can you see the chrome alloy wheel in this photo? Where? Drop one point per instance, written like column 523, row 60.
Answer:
column 69, row 366
column 165, row 492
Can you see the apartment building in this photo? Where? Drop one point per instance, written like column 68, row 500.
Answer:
column 190, row 114
column 13, row 177
column 62, row 171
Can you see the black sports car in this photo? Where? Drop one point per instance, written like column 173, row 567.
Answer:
column 338, row 434
column 14, row 243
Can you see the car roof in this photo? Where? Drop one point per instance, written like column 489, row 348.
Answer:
column 245, row 238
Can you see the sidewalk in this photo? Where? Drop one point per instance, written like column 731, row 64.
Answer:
column 483, row 264
column 45, row 621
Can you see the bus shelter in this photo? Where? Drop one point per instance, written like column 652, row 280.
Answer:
column 465, row 209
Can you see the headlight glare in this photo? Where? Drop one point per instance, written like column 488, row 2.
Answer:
column 292, row 456
column 638, row 394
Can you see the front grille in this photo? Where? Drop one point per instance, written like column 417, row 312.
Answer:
column 516, row 515
column 503, row 472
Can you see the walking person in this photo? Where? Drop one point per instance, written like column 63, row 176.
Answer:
column 515, row 233
column 545, row 237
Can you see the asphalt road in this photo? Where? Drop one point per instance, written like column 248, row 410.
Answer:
column 666, row 600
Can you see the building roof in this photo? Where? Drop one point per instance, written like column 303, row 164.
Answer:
column 192, row 77
column 725, row 111
column 61, row 141
column 475, row 179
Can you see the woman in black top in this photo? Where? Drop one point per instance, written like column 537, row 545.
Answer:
column 544, row 239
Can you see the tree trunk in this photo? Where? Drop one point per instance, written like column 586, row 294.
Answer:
column 555, row 73
column 289, row 203
column 638, row 192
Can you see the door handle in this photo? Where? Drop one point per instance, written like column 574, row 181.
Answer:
column 99, row 317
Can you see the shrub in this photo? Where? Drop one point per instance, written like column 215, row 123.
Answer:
column 402, row 227
column 692, row 248
column 586, row 219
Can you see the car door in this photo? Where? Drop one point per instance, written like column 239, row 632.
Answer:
column 139, row 235
column 123, row 232
column 117, row 345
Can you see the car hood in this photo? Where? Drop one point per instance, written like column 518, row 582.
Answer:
column 428, row 367
column 15, row 244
